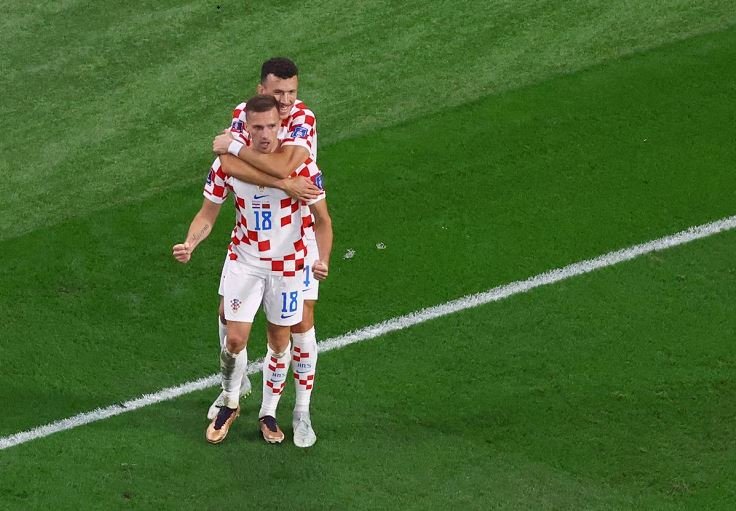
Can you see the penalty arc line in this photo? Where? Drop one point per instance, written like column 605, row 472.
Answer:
column 399, row 323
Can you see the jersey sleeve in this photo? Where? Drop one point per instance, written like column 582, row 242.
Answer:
column 302, row 130
column 311, row 171
column 216, row 186
column 238, row 123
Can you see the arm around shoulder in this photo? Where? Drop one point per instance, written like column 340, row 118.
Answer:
column 280, row 164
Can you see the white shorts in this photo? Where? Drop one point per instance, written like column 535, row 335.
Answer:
column 311, row 285
column 244, row 287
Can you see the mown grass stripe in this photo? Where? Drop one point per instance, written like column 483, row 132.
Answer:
column 392, row 325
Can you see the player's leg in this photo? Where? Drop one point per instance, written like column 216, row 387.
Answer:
column 232, row 371
column 275, row 371
column 221, row 333
column 221, row 323
column 283, row 306
column 245, row 385
column 243, row 292
column 304, row 357
column 221, row 320
column 234, row 361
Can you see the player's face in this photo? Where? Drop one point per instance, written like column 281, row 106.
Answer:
column 283, row 89
column 264, row 129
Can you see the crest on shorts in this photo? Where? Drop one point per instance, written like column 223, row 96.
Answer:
column 237, row 125
column 235, row 304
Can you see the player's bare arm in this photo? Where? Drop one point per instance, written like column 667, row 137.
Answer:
column 300, row 188
column 323, row 234
column 199, row 229
column 279, row 164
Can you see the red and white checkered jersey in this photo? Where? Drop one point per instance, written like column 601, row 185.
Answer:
column 299, row 129
column 269, row 225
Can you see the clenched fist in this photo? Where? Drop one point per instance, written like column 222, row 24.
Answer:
column 320, row 270
column 182, row 252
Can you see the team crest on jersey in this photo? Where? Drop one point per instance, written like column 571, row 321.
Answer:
column 300, row 132
column 210, row 177
column 235, row 304
column 237, row 125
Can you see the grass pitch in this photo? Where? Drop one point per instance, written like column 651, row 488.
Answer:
column 520, row 138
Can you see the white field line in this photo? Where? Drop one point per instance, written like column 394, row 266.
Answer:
column 391, row 325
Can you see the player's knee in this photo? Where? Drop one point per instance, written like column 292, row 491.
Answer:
column 278, row 339
column 279, row 345
column 307, row 321
column 236, row 342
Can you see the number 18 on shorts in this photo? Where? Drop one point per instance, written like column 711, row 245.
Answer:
column 245, row 287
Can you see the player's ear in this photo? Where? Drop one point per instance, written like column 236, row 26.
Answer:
column 260, row 89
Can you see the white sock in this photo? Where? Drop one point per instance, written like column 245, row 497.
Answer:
column 304, row 365
column 232, row 369
column 221, row 331
column 275, row 368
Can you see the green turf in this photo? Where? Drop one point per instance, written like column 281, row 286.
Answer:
column 606, row 392
column 561, row 185
column 103, row 103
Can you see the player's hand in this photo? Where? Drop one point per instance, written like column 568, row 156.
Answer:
column 182, row 252
column 300, row 188
column 320, row 270
column 222, row 142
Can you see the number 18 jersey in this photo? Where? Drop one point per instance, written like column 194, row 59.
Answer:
column 269, row 225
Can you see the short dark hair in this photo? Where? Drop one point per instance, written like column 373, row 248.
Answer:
column 261, row 103
column 280, row 67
